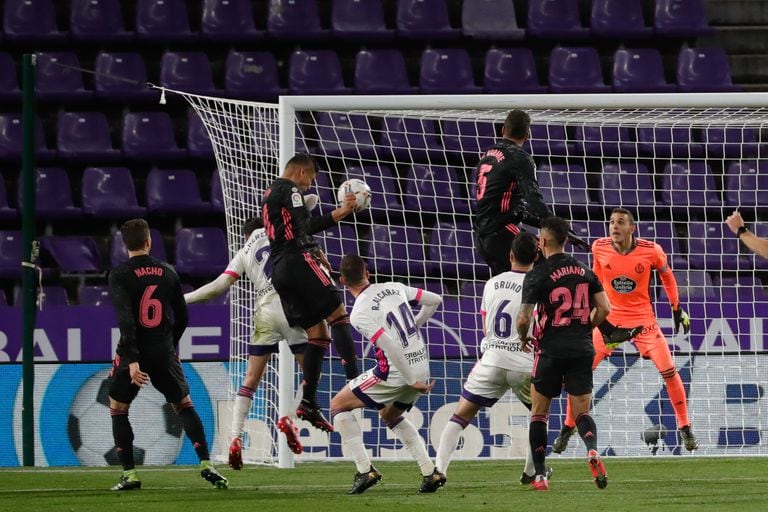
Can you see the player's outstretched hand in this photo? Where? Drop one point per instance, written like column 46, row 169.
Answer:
column 423, row 387
column 138, row 377
column 350, row 202
column 681, row 319
column 578, row 241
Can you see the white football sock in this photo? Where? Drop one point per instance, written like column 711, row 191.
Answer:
column 448, row 442
column 239, row 413
column 409, row 436
column 352, row 445
column 529, row 469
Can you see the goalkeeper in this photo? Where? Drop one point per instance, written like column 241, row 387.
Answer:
column 623, row 264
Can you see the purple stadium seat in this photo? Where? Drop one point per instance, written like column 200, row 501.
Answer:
column 109, row 192
column 55, row 82
column 555, row 19
column 696, row 286
column 564, row 187
column 605, row 140
column 198, row 142
column 471, row 138
column 345, row 135
column 434, row 286
column 123, row 77
column 187, row 71
column 12, row 138
column 490, row 19
column 712, row 246
column 689, row 184
column 666, row 141
column 397, row 250
column 315, row 72
column 451, row 250
column 381, row 72
column 9, row 81
column 73, row 254
column 174, row 192
column 30, row 21
column 52, row 295
column 621, row 19
column 98, row 20
column 217, row 193
column 359, row 20
column 434, row 189
column 511, row 71
column 163, row 21
column 201, row 252
column 704, row 70
column 681, row 18
column 326, row 190
column 94, row 295
column 85, row 136
column 664, row 234
column 740, row 289
column 446, row 71
column 549, row 139
column 118, row 253
column 290, row 20
column 3, row 299
column 336, row 242
column 385, row 197
column 424, row 19
column 149, row 136
column 229, row 20
column 639, row 70
column 731, row 142
column 6, row 212
column 629, row 185
column 53, row 195
column 11, row 254
column 410, row 138
column 576, row 70
column 747, row 184
column 252, row 75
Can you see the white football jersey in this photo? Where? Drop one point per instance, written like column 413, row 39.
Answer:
column 384, row 308
column 500, row 306
column 252, row 261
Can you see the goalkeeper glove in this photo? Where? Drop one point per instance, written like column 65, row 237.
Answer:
column 681, row 318
column 578, row 241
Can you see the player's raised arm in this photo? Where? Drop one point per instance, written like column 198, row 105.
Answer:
column 429, row 303
column 756, row 244
column 211, row 290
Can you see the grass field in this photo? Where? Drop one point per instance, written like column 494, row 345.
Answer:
column 648, row 485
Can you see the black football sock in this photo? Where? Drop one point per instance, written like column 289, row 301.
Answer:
column 341, row 332
column 193, row 427
column 537, row 436
column 123, row 436
column 313, row 366
column 587, row 430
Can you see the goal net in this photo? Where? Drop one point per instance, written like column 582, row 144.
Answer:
column 680, row 163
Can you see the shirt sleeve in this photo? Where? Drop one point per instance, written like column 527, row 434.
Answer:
column 319, row 223
column 236, row 267
column 666, row 275
column 121, row 301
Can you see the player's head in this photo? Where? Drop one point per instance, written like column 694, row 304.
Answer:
column 301, row 169
column 554, row 233
column 516, row 126
column 251, row 225
column 621, row 226
column 135, row 233
column 353, row 271
column 525, row 249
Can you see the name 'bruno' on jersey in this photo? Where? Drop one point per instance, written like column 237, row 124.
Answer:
column 385, row 307
column 252, row 260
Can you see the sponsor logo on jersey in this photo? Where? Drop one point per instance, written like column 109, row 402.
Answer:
column 623, row 284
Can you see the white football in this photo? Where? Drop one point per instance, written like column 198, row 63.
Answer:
column 361, row 190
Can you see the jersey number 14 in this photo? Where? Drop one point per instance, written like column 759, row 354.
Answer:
column 405, row 326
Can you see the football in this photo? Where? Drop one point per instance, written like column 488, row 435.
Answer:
column 361, row 190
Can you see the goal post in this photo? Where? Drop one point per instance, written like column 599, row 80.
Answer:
column 679, row 162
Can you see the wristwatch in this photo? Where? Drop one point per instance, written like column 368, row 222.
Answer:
column 741, row 231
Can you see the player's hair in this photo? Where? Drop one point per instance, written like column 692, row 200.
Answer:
column 353, row 269
column 135, row 234
column 301, row 160
column 251, row 225
column 626, row 212
column 525, row 247
column 558, row 227
column 516, row 124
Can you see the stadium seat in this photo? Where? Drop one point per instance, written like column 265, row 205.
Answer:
column 217, row 193
column 668, row 141
column 604, row 140
column 639, row 70
column 198, row 142
column 338, row 241
column 434, row 189
column 446, row 71
column 94, row 295
column 187, row 71
column 555, row 19
column 452, row 253
column 511, row 71
column 163, row 21
column 424, row 19
column 174, row 192
column 31, row 21
column 689, row 184
column 576, row 70
column 149, row 136
column 6, row 212
column 619, row 19
column 681, row 18
column 704, row 70
column 52, row 295
column 118, row 253
column 549, row 139
column 315, row 72
column 385, row 196
column 740, row 289
column 12, row 138
column 747, row 184
column 98, row 20
column 564, row 187
column 3, row 300
column 122, row 77
column 712, row 247
column 628, row 185
column 664, row 234
column 325, row 188
column 381, row 72
column 490, row 19
column 229, row 20
column 410, row 139
column 469, row 138
column 53, row 195
column 9, row 80
column 346, row 135
column 359, row 20
column 55, row 82
column 397, row 250
column 10, row 254
column 289, row 20
column 201, row 252
column 85, row 136
column 109, row 192
column 695, row 286
column 73, row 254
column 731, row 142
column 252, row 76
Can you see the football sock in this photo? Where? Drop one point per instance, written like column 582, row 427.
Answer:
column 587, row 430
column 193, row 427
column 352, row 445
column 537, row 436
column 123, row 436
column 341, row 332
column 530, row 468
column 449, row 439
column 313, row 364
column 676, row 392
column 242, row 406
column 409, row 436
column 569, row 421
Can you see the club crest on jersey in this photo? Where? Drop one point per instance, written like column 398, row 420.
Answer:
column 623, row 284
column 639, row 268
column 296, row 200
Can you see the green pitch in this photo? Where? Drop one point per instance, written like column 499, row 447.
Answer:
column 649, row 485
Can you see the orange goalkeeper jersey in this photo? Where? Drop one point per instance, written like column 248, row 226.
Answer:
column 627, row 277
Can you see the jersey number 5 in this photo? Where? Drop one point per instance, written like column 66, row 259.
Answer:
column 150, row 310
column 572, row 307
column 481, row 179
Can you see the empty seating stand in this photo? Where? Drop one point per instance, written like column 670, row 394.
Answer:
column 620, row 19
column 447, row 71
column 290, row 20
column 639, row 70
column 31, row 21
column 490, row 19
column 201, row 252
column 424, row 19
column 58, row 77
column 98, row 21
column 681, row 18
column 511, row 71
column 360, row 20
column 252, row 75
column 315, row 72
column 229, row 20
column 576, row 70
column 555, row 19
column 122, row 77
column 119, row 254
column 150, row 136
column 381, row 71
column 187, row 71
column 109, row 192
column 163, row 21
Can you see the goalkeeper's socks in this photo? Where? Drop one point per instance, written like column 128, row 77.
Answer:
column 122, row 433
column 341, row 332
column 677, row 397
column 587, row 430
